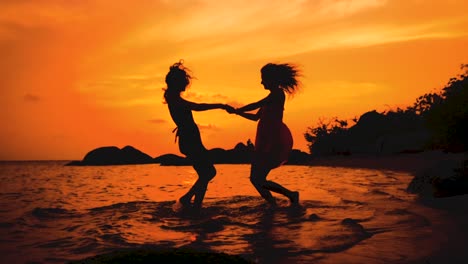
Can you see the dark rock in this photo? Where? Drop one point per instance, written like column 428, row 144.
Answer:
column 455, row 185
column 218, row 155
column 240, row 154
column 171, row 160
column 314, row 217
column 114, row 156
column 298, row 157
column 443, row 179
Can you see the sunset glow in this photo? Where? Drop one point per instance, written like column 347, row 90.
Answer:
column 78, row 75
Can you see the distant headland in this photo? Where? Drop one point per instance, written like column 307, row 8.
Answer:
column 436, row 173
column 128, row 155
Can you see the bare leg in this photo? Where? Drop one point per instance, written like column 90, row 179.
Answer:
column 200, row 195
column 186, row 199
column 258, row 179
column 275, row 187
column 206, row 172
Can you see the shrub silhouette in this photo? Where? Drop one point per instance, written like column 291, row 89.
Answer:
column 438, row 119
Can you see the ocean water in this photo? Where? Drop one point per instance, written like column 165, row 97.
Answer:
column 51, row 213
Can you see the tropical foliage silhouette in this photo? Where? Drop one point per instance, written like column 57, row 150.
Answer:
column 435, row 121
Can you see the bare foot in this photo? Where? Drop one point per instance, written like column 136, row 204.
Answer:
column 270, row 207
column 294, row 198
column 178, row 207
column 184, row 201
column 271, row 204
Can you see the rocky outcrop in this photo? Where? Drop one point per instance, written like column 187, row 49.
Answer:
column 171, row 160
column 240, row 154
column 445, row 178
column 113, row 156
column 298, row 157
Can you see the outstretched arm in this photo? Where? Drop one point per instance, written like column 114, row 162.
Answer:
column 203, row 107
column 254, row 106
column 250, row 116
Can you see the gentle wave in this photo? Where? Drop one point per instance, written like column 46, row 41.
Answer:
column 237, row 223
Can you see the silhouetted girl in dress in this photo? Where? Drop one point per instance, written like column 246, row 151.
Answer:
column 190, row 143
column 273, row 141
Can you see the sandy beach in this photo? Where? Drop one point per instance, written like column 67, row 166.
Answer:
column 455, row 208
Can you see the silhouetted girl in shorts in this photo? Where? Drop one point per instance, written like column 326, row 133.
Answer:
column 188, row 134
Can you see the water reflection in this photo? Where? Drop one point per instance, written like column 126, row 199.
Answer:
column 353, row 216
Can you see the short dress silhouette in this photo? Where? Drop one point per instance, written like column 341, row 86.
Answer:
column 273, row 141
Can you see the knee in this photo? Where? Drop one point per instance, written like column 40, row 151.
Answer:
column 258, row 175
column 255, row 180
column 211, row 173
column 206, row 173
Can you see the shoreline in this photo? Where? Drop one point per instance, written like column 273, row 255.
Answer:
column 405, row 162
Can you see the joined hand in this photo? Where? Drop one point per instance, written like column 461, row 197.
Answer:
column 230, row 109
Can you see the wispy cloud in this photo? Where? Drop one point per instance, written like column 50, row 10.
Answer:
column 205, row 97
column 208, row 127
column 31, row 98
column 211, row 98
column 234, row 29
column 126, row 90
column 235, row 104
column 116, row 83
column 341, row 89
column 342, row 8
column 157, row 121
column 35, row 14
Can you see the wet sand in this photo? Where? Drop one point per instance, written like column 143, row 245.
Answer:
column 453, row 230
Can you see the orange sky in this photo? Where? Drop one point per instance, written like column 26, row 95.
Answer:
column 77, row 75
